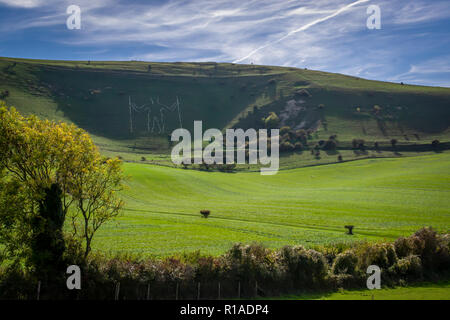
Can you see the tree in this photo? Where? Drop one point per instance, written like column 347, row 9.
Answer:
column 272, row 121
column 205, row 213
column 330, row 144
column 394, row 143
column 286, row 146
column 53, row 167
column 358, row 144
column 435, row 144
column 285, row 130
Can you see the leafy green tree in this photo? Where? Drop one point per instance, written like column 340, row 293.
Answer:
column 48, row 171
column 272, row 121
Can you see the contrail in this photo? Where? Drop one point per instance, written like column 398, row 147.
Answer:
column 303, row 28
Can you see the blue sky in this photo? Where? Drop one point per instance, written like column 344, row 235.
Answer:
column 413, row 44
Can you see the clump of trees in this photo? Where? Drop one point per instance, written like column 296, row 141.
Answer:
column 358, row 144
column 331, row 143
column 52, row 175
column 291, row 140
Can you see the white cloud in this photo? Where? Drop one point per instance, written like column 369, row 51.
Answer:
column 22, row 3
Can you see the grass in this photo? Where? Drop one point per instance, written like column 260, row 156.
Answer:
column 382, row 198
column 422, row 291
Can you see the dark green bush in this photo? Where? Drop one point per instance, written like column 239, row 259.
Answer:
column 286, row 146
column 330, row 145
column 345, row 263
column 304, row 267
column 284, row 130
column 380, row 254
column 409, row 267
column 404, row 247
column 298, row 146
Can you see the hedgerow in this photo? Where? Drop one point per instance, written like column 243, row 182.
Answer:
column 243, row 271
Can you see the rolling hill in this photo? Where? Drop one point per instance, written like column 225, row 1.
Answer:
column 96, row 96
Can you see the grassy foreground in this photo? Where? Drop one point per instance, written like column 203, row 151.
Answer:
column 424, row 291
column 382, row 198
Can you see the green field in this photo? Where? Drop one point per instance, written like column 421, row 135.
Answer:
column 423, row 291
column 382, row 198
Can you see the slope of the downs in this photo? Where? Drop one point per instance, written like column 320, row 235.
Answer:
column 382, row 198
column 135, row 105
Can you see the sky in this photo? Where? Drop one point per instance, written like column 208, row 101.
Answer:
column 412, row 45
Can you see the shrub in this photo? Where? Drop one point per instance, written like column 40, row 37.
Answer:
column 410, row 266
column 394, row 143
column 340, row 159
column 376, row 109
column 272, row 121
column 302, row 136
column 249, row 262
column 442, row 261
column 426, row 245
column 205, row 213
column 345, row 263
column 143, row 159
column 285, row 138
column 276, row 271
column 298, row 146
column 380, row 254
column 4, row 94
column 330, row 145
column 304, row 267
column 435, row 144
column 285, row 130
column 404, row 247
column 286, row 146
column 358, row 144
column 342, row 280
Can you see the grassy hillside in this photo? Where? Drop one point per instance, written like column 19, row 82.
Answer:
column 95, row 96
column 383, row 198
